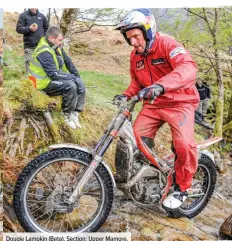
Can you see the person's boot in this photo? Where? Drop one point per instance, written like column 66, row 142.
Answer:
column 75, row 118
column 175, row 200
column 69, row 121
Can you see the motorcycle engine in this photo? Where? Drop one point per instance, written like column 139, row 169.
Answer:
column 127, row 163
column 146, row 191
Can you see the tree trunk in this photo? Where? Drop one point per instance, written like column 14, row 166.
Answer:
column 67, row 20
column 49, row 16
column 229, row 117
column 53, row 128
column 220, row 98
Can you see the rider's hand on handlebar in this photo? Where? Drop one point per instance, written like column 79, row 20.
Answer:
column 150, row 92
column 120, row 98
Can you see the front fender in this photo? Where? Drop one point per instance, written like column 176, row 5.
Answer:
column 86, row 150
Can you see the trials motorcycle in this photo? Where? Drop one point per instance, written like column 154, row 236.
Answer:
column 71, row 188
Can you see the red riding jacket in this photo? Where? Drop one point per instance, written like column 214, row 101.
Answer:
column 169, row 65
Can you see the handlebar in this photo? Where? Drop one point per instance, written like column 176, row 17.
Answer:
column 130, row 104
column 135, row 98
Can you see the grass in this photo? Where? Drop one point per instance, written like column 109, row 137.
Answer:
column 100, row 90
column 100, row 87
column 16, row 68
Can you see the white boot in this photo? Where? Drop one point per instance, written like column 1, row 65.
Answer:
column 68, row 120
column 75, row 118
column 175, row 199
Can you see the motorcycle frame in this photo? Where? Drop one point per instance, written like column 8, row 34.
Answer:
column 121, row 126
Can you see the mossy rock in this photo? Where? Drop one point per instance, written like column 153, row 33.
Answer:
column 25, row 94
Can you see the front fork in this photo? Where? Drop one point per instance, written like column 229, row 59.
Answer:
column 85, row 178
column 97, row 159
column 99, row 151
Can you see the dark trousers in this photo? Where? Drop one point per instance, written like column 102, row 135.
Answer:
column 72, row 92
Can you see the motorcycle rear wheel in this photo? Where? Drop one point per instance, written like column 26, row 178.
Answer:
column 205, row 176
column 48, row 180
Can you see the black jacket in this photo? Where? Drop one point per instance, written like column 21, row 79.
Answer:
column 204, row 91
column 48, row 64
column 26, row 19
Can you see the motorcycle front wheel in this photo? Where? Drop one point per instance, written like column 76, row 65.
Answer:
column 46, row 183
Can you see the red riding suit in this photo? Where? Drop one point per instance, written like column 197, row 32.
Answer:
column 169, row 64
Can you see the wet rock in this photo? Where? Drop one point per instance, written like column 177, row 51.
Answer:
column 221, row 164
column 129, row 208
column 154, row 223
column 116, row 224
column 169, row 234
column 229, row 162
column 226, row 228
column 222, row 167
column 148, row 232
column 135, row 232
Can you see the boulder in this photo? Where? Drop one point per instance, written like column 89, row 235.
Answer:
column 226, row 228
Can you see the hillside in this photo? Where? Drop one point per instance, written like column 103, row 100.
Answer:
column 102, row 56
column 102, row 49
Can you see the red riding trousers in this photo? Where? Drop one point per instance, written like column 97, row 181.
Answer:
column 181, row 121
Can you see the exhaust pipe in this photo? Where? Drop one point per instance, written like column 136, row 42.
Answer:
column 145, row 171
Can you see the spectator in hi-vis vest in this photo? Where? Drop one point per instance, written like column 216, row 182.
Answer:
column 52, row 71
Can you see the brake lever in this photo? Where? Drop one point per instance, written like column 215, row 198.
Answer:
column 152, row 101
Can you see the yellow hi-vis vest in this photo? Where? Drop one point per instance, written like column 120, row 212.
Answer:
column 36, row 72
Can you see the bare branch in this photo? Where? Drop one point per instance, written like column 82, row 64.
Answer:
column 193, row 13
column 207, row 22
column 216, row 21
column 57, row 18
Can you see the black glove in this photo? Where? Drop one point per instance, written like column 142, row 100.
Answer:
column 150, row 92
column 61, row 75
column 78, row 81
column 121, row 98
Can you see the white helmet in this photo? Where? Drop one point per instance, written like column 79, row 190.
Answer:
column 141, row 18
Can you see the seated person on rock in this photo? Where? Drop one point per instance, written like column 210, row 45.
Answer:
column 52, row 71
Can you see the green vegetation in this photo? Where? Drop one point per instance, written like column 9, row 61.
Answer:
column 101, row 88
column 207, row 33
column 23, row 99
column 16, row 69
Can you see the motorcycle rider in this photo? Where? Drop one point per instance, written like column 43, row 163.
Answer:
column 162, row 69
